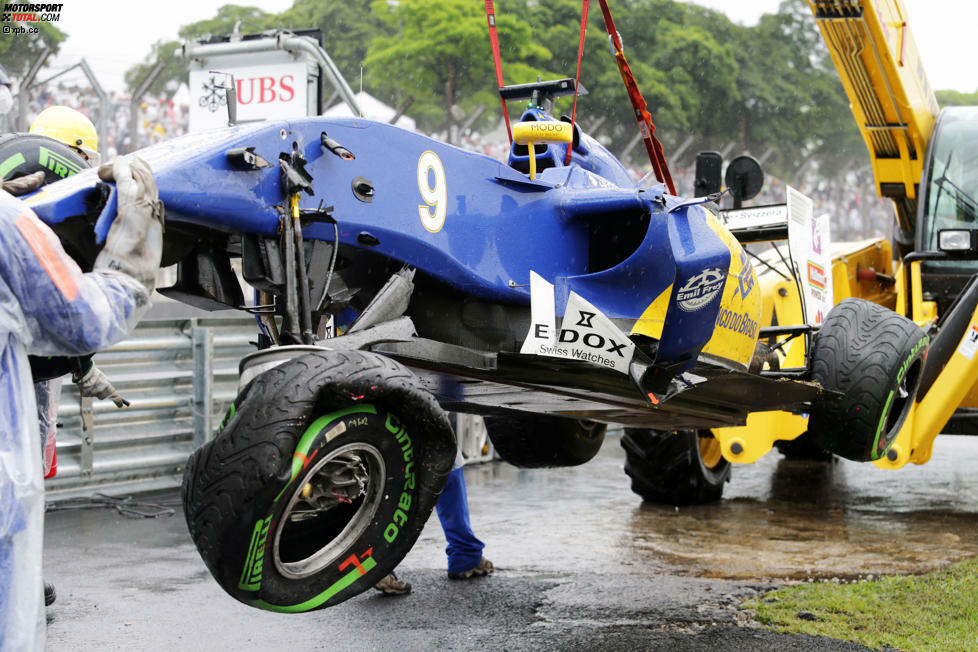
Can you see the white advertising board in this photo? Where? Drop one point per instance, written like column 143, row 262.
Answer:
column 810, row 242
column 265, row 92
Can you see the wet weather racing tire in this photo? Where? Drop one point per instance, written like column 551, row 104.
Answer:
column 23, row 154
column 319, row 482
column 675, row 468
column 873, row 356
column 536, row 441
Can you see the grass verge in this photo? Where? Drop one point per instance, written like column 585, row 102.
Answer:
column 937, row 611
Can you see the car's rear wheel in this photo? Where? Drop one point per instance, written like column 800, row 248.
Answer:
column 536, row 440
column 684, row 467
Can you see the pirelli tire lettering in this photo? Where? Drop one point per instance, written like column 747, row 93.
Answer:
column 23, row 154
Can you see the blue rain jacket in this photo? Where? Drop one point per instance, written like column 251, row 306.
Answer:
column 47, row 307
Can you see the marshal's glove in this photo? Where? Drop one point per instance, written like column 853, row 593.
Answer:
column 25, row 184
column 95, row 384
column 134, row 244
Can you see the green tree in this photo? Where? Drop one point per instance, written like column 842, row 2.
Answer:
column 246, row 19
column 17, row 52
column 348, row 29
column 441, row 57
column 956, row 98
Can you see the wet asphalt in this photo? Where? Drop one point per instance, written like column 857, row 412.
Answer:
column 581, row 563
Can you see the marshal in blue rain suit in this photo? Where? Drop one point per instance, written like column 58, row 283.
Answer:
column 464, row 548
column 47, row 307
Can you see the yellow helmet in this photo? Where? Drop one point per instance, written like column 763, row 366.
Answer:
column 70, row 127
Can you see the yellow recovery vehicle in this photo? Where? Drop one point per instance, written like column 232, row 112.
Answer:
column 926, row 161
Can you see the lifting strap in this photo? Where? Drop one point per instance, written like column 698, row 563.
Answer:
column 577, row 78
column 645, row 125
column 494, row 40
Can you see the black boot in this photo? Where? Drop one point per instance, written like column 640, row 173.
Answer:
column 49, row 594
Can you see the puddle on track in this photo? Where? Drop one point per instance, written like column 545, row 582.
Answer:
column 779, row 518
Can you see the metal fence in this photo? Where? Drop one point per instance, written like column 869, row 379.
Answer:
column 180, row 376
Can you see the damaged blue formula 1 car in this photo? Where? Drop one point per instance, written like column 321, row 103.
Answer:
column 397, row 277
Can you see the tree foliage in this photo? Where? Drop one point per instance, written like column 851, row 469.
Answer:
column 956, row 98
column 17, row 52
column 768, row 88
column 440, row 56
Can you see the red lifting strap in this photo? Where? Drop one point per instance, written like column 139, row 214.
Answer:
column 577, row 78
column 645, row 125
column 494, row 40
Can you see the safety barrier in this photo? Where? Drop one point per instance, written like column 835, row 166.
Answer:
column 180, row 375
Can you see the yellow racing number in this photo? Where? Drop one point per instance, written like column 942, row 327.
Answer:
column 431, row 184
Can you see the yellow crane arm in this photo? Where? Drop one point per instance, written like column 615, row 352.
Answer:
column 890, row 96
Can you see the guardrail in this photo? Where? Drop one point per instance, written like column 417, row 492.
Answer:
column 180, row 376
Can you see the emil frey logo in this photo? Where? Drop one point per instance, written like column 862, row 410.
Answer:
column 701, row 289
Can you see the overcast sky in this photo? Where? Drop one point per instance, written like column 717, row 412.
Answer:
column 114, row 34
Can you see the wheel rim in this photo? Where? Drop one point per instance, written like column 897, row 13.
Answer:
column 900, row 406
column 590, row 429
column 710, row 452
column 329, row 509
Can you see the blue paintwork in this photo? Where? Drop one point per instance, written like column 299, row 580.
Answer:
column 500, row 225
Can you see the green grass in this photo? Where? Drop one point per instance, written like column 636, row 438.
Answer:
column 937, row 611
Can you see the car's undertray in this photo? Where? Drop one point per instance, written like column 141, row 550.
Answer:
column 485, row 382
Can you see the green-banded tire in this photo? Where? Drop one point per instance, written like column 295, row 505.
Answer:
column 873, row 357
column 23, row 154
column 675, row 468
column 319, row 481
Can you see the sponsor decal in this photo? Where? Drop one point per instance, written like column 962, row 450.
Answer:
column 57, row 163
column 585, row 333
column 264, row 90
column 251, row 574
column 543, row 329
column 816, row 238
column 817, row 278
column 745, row 280
column 396, row 428
column 701, row 289
column 755, row 216
column 213, row 95
column 969, row 345
column 737, row 322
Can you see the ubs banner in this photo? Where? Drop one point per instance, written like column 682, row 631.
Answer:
column 271, row 91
